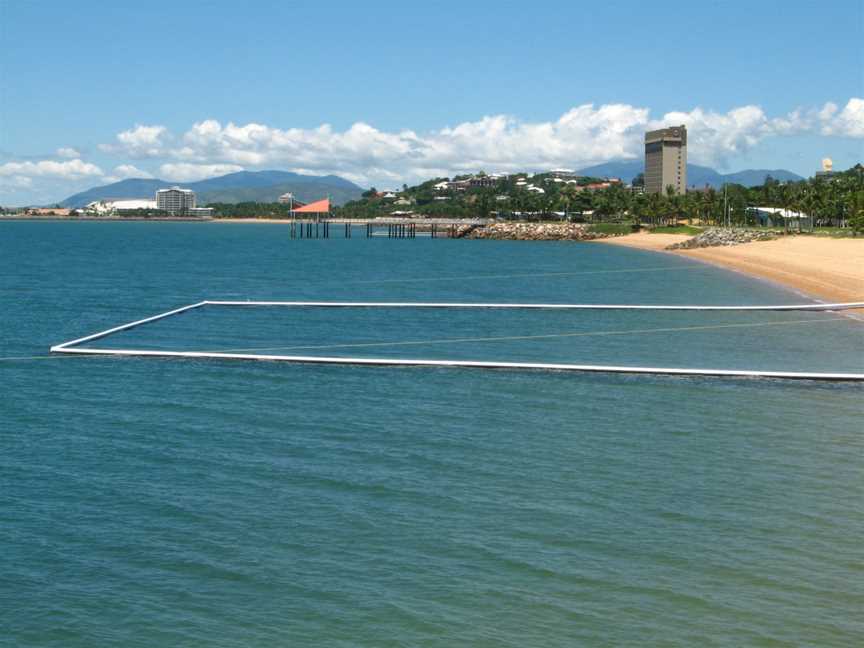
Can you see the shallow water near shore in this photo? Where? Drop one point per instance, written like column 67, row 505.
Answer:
column 152, row 502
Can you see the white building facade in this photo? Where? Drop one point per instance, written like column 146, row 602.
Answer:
column 176, row 201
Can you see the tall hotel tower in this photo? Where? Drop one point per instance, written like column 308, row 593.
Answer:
column 666, row 160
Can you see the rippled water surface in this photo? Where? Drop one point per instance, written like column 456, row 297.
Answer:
column 180, row 502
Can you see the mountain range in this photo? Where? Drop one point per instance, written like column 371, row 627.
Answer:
column 267, row 186
column 697, row 176
column 260, row 186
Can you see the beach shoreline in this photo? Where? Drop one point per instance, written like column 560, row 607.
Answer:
column 828, row 269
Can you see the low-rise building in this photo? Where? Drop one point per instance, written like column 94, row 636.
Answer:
column 482, row 181
column 774, row 215
column 135, row 207
column 563, row 174
column 119, row 207
column 47, row 211
column 597, row 186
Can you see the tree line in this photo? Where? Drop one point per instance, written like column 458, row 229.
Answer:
column 837, row 201
column 250, row 210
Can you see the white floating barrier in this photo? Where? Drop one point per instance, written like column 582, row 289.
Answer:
column 72, row 347
column 320, row 304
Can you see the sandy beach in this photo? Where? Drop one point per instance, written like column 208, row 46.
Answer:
column 831, row 269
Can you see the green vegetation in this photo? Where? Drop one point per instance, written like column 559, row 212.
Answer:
column 143, row 213
column 676, row 229
column 613, row 228
column 835, row 232
column 833, row 203
column 504, row 198
column 250, row 210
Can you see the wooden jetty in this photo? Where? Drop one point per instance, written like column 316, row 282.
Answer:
column 391, row 228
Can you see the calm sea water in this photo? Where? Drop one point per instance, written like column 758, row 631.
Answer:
column 206, row 503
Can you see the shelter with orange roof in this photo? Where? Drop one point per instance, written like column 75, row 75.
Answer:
column 315, row 209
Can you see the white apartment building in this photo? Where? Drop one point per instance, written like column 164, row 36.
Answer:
column 175, row 201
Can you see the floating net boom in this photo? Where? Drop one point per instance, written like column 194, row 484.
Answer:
column 74, row 346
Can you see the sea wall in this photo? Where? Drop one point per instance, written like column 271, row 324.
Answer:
column 530, row 232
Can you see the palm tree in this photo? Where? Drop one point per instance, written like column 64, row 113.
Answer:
column 639, row 207
column 654, row 207
column 785, row 200
column 602, row 205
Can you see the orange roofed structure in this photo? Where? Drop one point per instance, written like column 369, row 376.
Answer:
column 317, row 207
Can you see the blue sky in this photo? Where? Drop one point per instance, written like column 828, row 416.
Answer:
column 382, row 92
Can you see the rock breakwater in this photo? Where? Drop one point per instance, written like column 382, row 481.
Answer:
column 716, row 237
column 531, row 232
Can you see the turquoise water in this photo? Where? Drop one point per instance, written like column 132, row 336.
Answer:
column 163, row 502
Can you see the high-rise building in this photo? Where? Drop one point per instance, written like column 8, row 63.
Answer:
column 175, row 201
column 666, row 160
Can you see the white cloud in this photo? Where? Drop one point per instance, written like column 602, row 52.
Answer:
column 186, row 172
column 125, row 171
column 582, row 136
column 18, row 177
column 847, row 123
column 714, row 137
column 130, row 171
column 15, row 182
column 140, row 141
column 71, row 169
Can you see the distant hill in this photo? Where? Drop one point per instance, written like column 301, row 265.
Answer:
column 260, row 186
column 753, row 177
column 697, row 176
